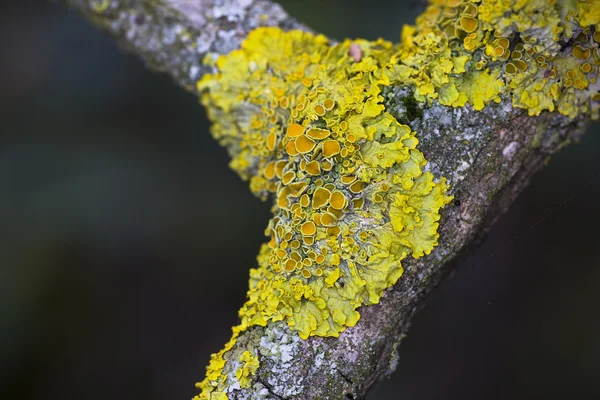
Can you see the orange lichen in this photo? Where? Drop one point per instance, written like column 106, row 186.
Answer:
column 468, row 23
column 308, row 228
column 331, row 148
column 321, row 197
column 294, row 130
column 337, row 200
column 304, row 144
column 318, row 134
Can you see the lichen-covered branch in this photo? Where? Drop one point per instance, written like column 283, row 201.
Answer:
column 174, row 36
column 500, row 150
column 386, row 163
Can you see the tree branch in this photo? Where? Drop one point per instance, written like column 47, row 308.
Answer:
column 174, row 36
column 488, row 156
column 507, row 148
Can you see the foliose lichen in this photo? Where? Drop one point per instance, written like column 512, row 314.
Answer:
column 304, row 121
column 543, row 54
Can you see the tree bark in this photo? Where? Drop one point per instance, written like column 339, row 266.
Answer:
column 488, row 156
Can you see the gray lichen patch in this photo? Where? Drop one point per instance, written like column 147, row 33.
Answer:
column 324, row 368
column 510, row 150
column 279, row 348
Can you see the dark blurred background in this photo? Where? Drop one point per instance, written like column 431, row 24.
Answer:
column 126, row 240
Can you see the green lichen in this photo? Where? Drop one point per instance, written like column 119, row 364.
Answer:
column 305, row 122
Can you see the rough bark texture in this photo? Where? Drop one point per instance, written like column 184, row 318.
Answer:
column 488, row 156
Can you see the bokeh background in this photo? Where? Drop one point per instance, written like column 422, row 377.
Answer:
column 126, row 240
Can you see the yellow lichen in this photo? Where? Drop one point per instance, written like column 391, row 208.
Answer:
column 249, row 366
column 324, row 154
column 304, row 121
column 516, row 43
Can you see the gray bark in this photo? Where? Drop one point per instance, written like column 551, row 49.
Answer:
column 488, row 156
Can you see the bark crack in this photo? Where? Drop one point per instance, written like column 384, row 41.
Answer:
column 346, row 378
column 270, row 389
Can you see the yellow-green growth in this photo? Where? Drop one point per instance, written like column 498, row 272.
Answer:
column 542, row 54
column 304, row 122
